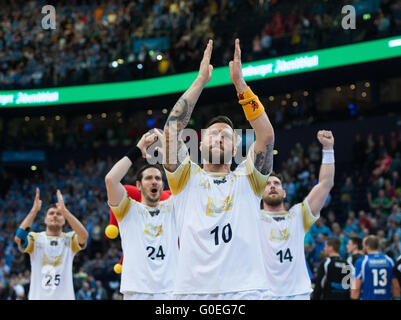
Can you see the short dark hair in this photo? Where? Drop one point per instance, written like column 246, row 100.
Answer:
column 278, row 176
column 51, row 206
column 335, row 243
column 357, row 241
column 139, row 174
column 372, row 242
column 218, row 119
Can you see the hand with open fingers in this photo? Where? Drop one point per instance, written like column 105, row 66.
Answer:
column 236, row 69
column 205, row 70
column 37, row 203
column 60, row 203
column 145, row 142
column 326, row 138
column 162, row 138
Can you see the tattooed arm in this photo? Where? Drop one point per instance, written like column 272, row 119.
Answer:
column 264, row 143
column 175, row 150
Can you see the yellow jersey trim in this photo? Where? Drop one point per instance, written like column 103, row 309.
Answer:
column 307, row 217
column 257, row 180
column 122, row 209
column 178, row 179
column 75, row 246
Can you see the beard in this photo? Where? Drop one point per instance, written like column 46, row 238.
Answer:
column 54, row 228
column 151, row 198
column 223, row 157
column 273, row 201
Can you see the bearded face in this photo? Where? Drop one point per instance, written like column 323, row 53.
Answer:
column 217, row 146
column 274, row 193
column 54, row 220
column 151, row 185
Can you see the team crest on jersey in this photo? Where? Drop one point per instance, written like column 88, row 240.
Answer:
column 153, row 231
column 216, row 207
column 279, row 235
column 52, row 261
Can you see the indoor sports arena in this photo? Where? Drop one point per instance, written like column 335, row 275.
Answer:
column 200, row 150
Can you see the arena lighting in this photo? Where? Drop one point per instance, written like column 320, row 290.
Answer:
column 57, row 118
column 88, row 116
column 120, row 61
column 271, row 98
column 366, row 16
column 164, row 111
column 159, row 57
column 361, row 52
column 275, row 152
column 288, row 96
column 104, row 115
column 114, row 64
column 42, row 118
column 295, row 104
column 27, row 118
column 139, row 66
column 352, row 87
column 367, row 84
column 306, row 93
column 150, row 112
column 364, row 94
column 34, row 168
column 338, row 89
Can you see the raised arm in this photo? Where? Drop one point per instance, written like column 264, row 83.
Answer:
column 181, row 113
column 115, row 190
column 255, row 114
column 75, row 224
column 319, row 193
column 22, row 232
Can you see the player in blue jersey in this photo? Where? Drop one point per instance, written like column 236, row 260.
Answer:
column 374, row 276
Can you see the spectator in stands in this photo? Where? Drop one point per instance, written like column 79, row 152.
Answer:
column 319, row 228
column 381, row 202
column 384, row 164
column 85, row 293
column 347, row 194
column 393, row 228
column 364, row 221
column 396, row 214
column 100, row 293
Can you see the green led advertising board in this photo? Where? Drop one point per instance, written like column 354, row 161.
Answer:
column 252, row 71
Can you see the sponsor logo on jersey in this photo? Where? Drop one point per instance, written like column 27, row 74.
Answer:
column 153, row 231
column 216, row 207
column 279, row 235
column 218, row 182
column 52, row 261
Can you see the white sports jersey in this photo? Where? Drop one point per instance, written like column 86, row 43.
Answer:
column 51, row 265
column 282, row 235
column 217, row 221
column 150, row 246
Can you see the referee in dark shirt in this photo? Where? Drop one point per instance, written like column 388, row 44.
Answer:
column 331, row 282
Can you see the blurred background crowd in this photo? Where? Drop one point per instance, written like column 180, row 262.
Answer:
column 102, row 41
